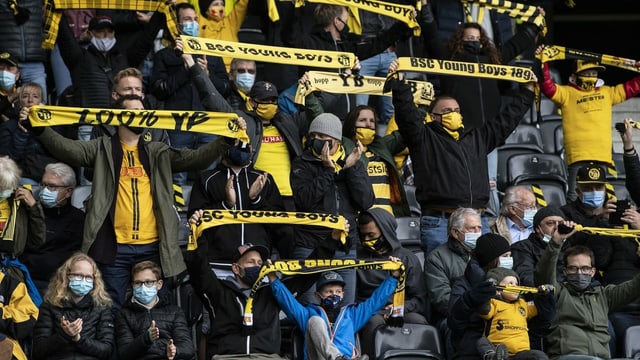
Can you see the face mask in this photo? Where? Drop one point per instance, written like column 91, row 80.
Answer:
column 365, row 135
column 470, row 239
column 250, row 275
column 216, row 12
column 586, row 82
column 593, row 199
column 378, row 245
column 472, row 46
column 80, row 287
column 452, row 123
column 7, row 80
column 578, row 281
column 238, row 156
column 103, row 44
column 546, row 238
column 317, row 145
column 505, row 262
column 136, row 130
column 145, row 295
column 245, row 81
column 5, row 194
column 191, row 28
column 527, row 220
column 331, row 302
column 345, row 30
column 48, row 198
column 266, row 111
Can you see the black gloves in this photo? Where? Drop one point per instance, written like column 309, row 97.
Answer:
column 480, row 293
column 546, row 289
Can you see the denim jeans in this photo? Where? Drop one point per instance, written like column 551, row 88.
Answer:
column 34, row 72
column 189, row 140
column 61, row 74
column 433, row 231
column 377, row 66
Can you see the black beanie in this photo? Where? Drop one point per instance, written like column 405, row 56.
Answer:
column 498, row 274
column 546, row 212
column 489, row 247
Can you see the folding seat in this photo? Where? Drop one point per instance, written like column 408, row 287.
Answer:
column 632, row 342
column 546, row 172
column 551, row 130
column 504, row 153
column 80, row 195
column 525, row 135
column 411, row 341
column 414, row 206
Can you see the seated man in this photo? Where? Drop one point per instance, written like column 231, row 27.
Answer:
column 377, row 229
column 516, row 214
column 330, row 328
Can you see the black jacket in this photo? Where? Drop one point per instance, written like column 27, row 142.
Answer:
column 317, row 188
column 96, row 339
column 632, row 180
column 23, row 41
column 526, row 254
column 132, row 324
column 451, row 173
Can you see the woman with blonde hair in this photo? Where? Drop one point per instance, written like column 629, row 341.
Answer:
column 75, row 319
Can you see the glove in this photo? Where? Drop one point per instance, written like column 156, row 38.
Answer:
column 546, row 289
column 480, row 293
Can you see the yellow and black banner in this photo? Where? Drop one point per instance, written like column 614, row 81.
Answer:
column 315, row 266
column 448, row 67
column 423, row 92
column 270, row 54
column 53, row 11
column 524, row 12
column 224, row 124
column 554, row 52
column 213, row 218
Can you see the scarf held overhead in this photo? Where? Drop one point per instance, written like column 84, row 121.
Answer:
column 224, row 124
column 270, row 54
column 527, row 13
column 554, row 52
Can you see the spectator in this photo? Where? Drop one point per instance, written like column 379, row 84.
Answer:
column 469, row 291
column 75, row 319
column 64, row 224
column 112, row 234
column 377, row 229
column 22, row 31
column 9, row 76
column 242, row 77
column 361, row 125
column 580, row 327
column 329, row 178
column 22, row 222
column 330, row 328
column 449, row 163
column 510, row 308
column 148, row 326
column 586, row 100
column 448, row 261
column 515, row 222
column 631, row 162
column 219, row 25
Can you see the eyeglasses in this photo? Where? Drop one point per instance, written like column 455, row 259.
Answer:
column 146, row 283
column 52, row 187
column 76, row 276
column 572, row 269
column 242, row 71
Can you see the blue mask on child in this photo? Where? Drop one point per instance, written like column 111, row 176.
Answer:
column 331, row 302
column 80, row 287
column 593, row 199
column 145, row 295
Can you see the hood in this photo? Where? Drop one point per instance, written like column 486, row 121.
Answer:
column 387, row 225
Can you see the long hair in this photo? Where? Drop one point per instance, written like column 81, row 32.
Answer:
column 58, row 290
column 349, row 126
column 488, row 48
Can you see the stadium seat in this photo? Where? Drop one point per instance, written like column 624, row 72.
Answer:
column 80, row 195
column 618, row 160
column 504, row 153
column 620, row 189
column 183, row 227
column 632, row 342
column 549, row 129
column 297, row 344
column 411, row 341
column 414, row 206
column 547, row 171
column 525, row 135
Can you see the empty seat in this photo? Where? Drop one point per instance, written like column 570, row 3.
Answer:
column 80, row 195
column 632, row 342
column 618, row 160
column 620, row 189
column 407, row 342
column 547, row 172
column 504, row 153
column 414, row 206
column 408, row 231
column 548, row 130
column 525, row 135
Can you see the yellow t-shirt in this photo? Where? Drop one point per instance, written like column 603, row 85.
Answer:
column 274, row 159
column 379, row 177
column 135, row 222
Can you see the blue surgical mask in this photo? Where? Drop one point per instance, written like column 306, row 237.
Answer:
column 331, row 302
column 144, row 294
column 245, row 81
column 191, row 28
column 103, row 44
column 48, row 198
column 5, row 194
column 505, row 262
column 80, row 287
column 527, row 220
column 7, row 80
column 593, row 199
column 470, row 239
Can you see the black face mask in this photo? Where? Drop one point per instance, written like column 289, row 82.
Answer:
column 136, row 130
column 318, row 144
column 238, row 156
column 472, row 46
column 345, row 30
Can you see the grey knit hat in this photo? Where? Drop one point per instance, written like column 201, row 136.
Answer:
column 327, row 124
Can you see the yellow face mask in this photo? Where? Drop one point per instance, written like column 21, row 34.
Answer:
column 266, row 111
column 365, row 135
column 216, row 12
column 452, row 123
column 586, row 82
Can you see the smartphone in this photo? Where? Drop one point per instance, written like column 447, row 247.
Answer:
column 621, row 206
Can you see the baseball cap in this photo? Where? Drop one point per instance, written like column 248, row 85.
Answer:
column 263, row 90
column 591, row 174
column 582, row 65
column 99, row 22
column 329, row 277
column 263, row 251
column 8, row 57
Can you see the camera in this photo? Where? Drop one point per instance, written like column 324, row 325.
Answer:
column 615, row 217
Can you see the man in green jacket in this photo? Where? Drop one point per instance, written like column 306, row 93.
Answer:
column 583, row 305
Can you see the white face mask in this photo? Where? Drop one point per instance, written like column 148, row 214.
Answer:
column 103, row 44
column 546, row 238
column 470, row 239
column 5, row 194
column 505, row 262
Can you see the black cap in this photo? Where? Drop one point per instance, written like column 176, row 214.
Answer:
column 329, row 277
column 263, row 90
column 489, row 247
column 591, row 174
column 263, row 251
column 8, row 57
column 99, row 22
column 545, row 212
